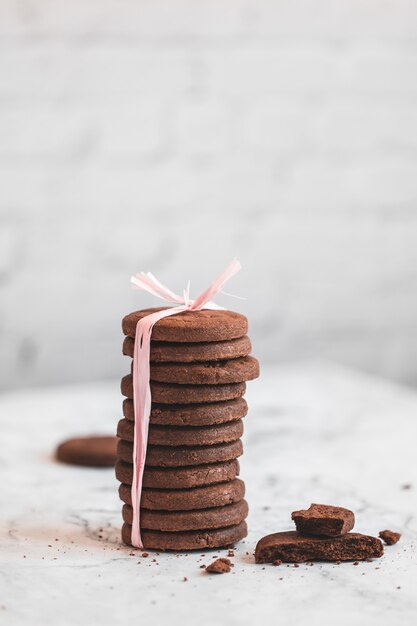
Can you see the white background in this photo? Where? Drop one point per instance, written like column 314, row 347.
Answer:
column 173, row 135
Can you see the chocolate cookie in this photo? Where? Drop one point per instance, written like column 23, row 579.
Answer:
column 167, row 393
column 180, row 477
column 209, row 373
column 99, row 451
column 192, row 415
column 191, row 326
column 291, row 547
column 176, row 521
column 325, row 520
column 187, row 499
column 390, row 537
column 192, row 540
column 183, row 435
column 169, row 456
column 169, row 352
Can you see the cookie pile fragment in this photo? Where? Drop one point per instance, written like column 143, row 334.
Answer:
column 323, row 534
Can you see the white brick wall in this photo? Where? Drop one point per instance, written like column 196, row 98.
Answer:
column 171, row 135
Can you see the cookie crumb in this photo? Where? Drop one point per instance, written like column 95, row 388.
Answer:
column 185, row 579
column 230, row 553
column 219, row 566
column 277, row 562
column 145, row 554
column 390, row 537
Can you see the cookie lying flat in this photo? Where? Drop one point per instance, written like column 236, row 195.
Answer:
column 180, row 477
column 291, row 547
column 187, row 499
column 168, row 456
column 183, row 435
column 99, row 451
column 192, row 414
column 169, row 352
column 209, row 373
column 324, row 520
column 167, row 393
column 390, row 537
column 192, row 540
column 176, row 521
column 191, row 326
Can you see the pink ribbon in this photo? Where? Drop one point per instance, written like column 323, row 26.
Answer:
column 142, row 400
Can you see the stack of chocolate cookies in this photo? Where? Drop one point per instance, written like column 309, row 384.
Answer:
column 192, row 497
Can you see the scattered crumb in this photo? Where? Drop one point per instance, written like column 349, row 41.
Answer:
column 276, row 562
column 219, row 566
column 230, row 553
column 296, row 565
column 390, row 537
column 356, row 563
column 406, row 486
column 145, row 555
column 185, row 579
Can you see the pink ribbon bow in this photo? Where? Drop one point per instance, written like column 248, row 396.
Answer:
column 142, row 400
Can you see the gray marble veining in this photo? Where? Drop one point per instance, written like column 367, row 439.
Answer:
column 314, row 432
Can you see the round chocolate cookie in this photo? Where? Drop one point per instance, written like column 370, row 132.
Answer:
column 169, row 352
column 176, row 521
column 183, row 435
column 180, row 477
column 187, row 499
column 169, row 456
column 167, row 393
column 98, row 451
column 192, row 415
column 191, row 540
column 209, row 373
column 191, row 326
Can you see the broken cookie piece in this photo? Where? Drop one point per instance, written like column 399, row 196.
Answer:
column 324, row 520
column 390, row 537
column 291, row 547
column 219, row 566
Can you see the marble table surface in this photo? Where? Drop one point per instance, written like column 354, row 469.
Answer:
column 314, row 433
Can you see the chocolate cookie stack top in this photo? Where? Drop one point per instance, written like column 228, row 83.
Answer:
column 192, row 497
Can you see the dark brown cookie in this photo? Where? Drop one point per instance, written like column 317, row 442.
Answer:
column 390, row 537
column 209, row 373
column 167, row 393
column 97, row 451
column 183, row 435
column 192, row 540
column 324, row 520
column 192, row 414
column 169, row 456
column 176, row 521
column 191, row 326
column 291, row 547
column 187, row 499
column 180, row 477
column 169, row 352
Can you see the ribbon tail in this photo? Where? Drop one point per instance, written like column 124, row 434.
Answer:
column 142, row 404
column 216, row 285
